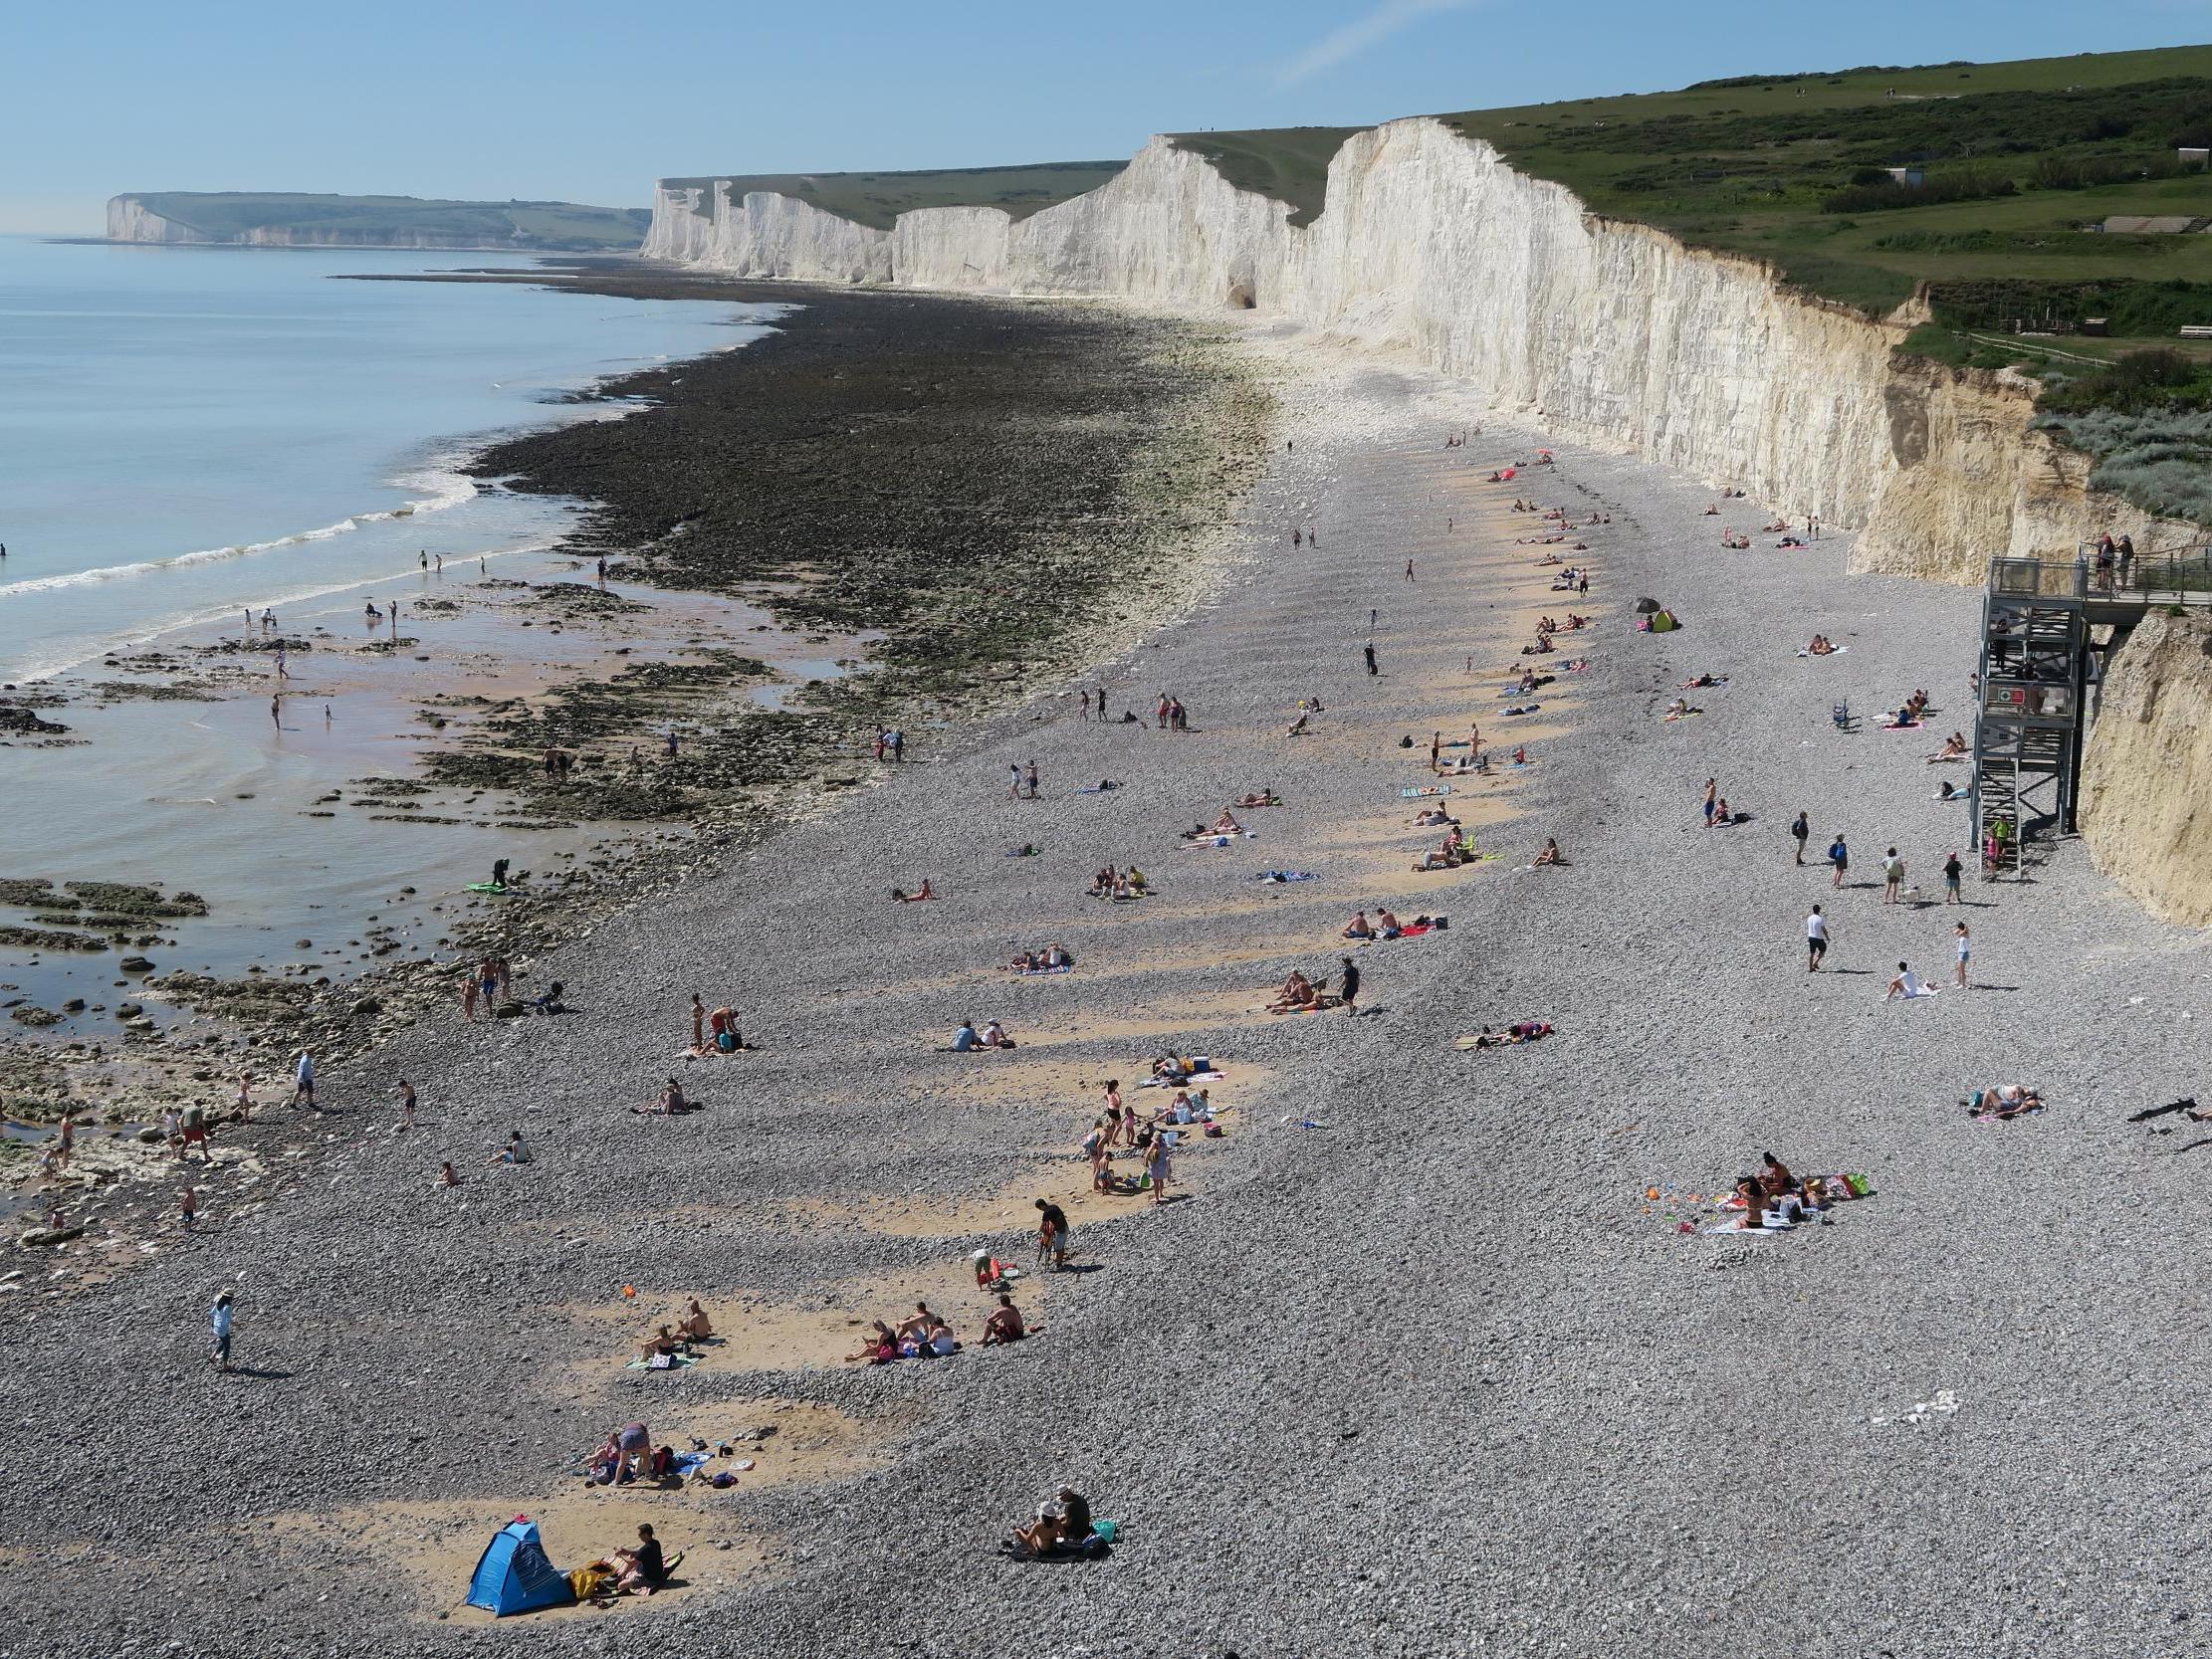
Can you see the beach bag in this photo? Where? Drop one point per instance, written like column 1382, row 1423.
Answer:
column 1860, row 1185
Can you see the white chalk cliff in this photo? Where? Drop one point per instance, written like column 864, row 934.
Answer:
column 1433, row 245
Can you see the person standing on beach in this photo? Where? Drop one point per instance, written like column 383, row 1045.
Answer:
column 1371, row 668
column 698, row 1024
column 1029, row 779
column 245, row 1097
column 222, row 1321
column 188, row 1207
column 276, row 711
column 1799, row 830
column 1086, row 703
column 1963, row 938
column 1051, row 1234
column 898, row 742
column 1297, row 537
column 1816, row 940
column 438, row 568
column 1013, row 781
column 1351, row 986
column 1435, row 749
column 422, row 559
column 1892, row 876
column 406, row 1104
column 1952, row 870
column 468, row 993
column 1162, row 713
column 303, row 1081
column 1838, row 855
column 1713, row 800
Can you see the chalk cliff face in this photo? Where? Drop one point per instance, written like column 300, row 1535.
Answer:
column 130, row 220
column 2146, row 774
column 1431, row 244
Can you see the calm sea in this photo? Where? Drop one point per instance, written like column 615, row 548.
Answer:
column 186, row 434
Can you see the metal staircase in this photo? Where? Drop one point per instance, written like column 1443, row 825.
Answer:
column 2040, row 663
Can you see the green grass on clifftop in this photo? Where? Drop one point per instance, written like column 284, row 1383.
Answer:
column 562, row 226
column 876, row 199
column 2027, row 157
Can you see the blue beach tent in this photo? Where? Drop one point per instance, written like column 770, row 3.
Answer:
column 514, row 1576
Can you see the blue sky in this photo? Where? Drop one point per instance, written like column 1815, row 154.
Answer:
column 499, row 97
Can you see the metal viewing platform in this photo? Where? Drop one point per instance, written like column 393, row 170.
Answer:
column 2049, row 628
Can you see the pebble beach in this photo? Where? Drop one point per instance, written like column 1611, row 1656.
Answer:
column 1419, row 1358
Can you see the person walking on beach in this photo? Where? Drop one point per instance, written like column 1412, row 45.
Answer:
column 1713, row 800
column 1962, row 937
column 438, row 565
column 1952, row 870
column 406, row 1104
column 898, row 742
column 422, row 559
column 1371, row 668
column 1582, row 585
column 1297, row 537
column 1086, row 703
column 1838, row 855
column 1409, row 570
column 188, row 1207
column 1816, row 940
column 1160, row 713
column 222, row 1322
column 1351, row 986
column 1799, row 830
column 303, row 1081
column 245, row 1097
column 1892, row 876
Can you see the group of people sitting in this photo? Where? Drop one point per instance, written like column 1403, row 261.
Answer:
column 1062, row 1527
column 1051, row 960
column 1110, row 882
column 1822, row 646
column 924, row 1334
column 1455, row 850
column 716, row 1032
column 629, row 1454
column 1385, row 925
column 1775, row 1199
column 967, row 1040
column 679, row 1339
column 1910, row 711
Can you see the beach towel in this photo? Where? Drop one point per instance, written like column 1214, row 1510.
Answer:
column 1902, row 725
column 1837, row 652
column 1280, row 876
column 1103, row 787
column 1424, row 792
column 1032, row 972
column 663, row 1362
column 1214, row 843
column 686, row 1462
column 1521, row 708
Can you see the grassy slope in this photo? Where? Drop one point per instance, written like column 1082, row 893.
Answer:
column 1745, row 166
column 563, row 224
column 875, row 199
